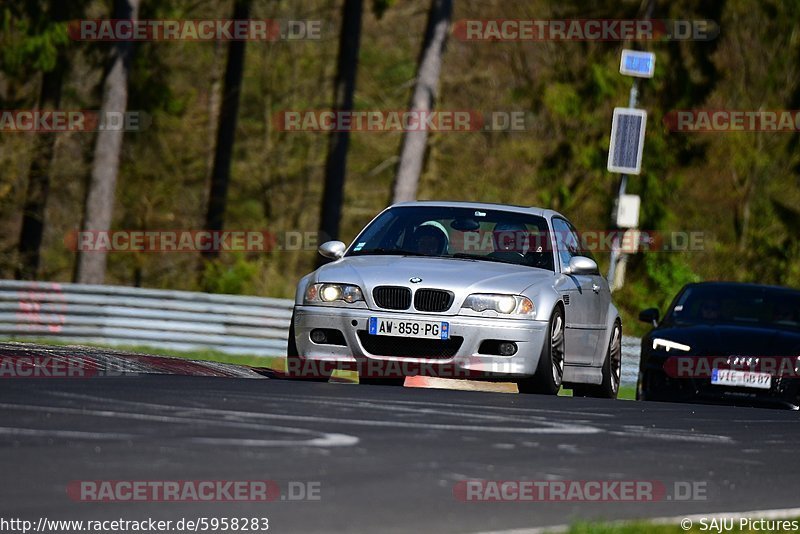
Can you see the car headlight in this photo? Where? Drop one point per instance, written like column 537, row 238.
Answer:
column 668, row 345
column 333, row 292
column 504, row 304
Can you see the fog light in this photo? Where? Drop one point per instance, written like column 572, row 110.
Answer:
column 507, row 348
column 318, row 336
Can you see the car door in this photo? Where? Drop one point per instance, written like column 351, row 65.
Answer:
column 598, row 304
column 582, row 293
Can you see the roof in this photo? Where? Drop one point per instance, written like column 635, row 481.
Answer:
column 530, row 210
column 725, row 283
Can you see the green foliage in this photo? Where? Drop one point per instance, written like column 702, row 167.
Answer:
column 668, row 273
column 562, row 100
column 231, row 277
column 26, row 45
column 636, row 527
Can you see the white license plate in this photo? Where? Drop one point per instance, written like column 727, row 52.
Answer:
column 416, row 329
column 745, row 379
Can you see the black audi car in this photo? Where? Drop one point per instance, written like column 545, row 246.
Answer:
column 724, row 342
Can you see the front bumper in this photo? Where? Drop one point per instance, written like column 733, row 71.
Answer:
column 528, row 335
column 656, row 384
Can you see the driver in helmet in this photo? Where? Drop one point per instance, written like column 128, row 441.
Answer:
column 430, row 239
column 510, row 242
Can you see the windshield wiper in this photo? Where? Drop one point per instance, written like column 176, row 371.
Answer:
column 393, row 252
column 465, row 256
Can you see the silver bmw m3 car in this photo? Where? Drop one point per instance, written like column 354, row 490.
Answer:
column 462, row 290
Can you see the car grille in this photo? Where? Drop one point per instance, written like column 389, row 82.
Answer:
column 392, row 298
column 434, row 349
column 433, row 300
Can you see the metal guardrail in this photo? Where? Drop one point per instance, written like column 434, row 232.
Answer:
column 631, row 348
column 178, row 320
column 117, row 315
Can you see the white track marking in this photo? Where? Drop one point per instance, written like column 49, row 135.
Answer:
column 324, row 440
column 438, row 412
column 630, row 431
column 325, row 401
column 667, row 436
column 68, row 434
column 327, row 440
column 671, row 434
column 549, row 427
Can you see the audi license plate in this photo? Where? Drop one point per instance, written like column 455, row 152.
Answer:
column 744, row 379
column 417, row 329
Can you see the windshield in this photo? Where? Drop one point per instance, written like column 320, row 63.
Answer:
column 459, row 233
column 737, row 304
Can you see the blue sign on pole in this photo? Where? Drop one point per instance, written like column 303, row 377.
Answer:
column 636, row 63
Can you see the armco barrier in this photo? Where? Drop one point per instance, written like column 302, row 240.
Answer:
column 179, row 320
column 117, row 315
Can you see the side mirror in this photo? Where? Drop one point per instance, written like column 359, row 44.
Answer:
column 332, row 249
column 582, row 265
column 650, row 315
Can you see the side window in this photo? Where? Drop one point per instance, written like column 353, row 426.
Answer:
column 566, row 241
column 581, row 250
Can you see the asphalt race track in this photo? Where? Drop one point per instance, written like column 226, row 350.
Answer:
column 383, row 458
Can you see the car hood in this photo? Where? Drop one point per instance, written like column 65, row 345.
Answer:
column 730, row 340
column 457, row 275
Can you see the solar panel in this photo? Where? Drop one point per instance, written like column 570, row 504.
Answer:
column 627, row 140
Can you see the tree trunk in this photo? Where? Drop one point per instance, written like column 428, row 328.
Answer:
column 226, row 130
column 99, row 210
column 412, row 153
column 33, row 213
column 344, row 89
column 214, row 98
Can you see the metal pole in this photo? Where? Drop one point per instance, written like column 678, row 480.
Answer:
column 616, row 268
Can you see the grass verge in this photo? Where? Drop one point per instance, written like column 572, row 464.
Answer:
column 635, row 527
column 205, row 355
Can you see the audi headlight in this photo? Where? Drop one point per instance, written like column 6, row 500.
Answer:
column 333, row 292
column 668, row 345
column 503, row 304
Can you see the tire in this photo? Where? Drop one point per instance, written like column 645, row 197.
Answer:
column 291, row 347
column 612, row 369
column 641, row 387
column 293, row 362
column 550, row 370
column 650, row 391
